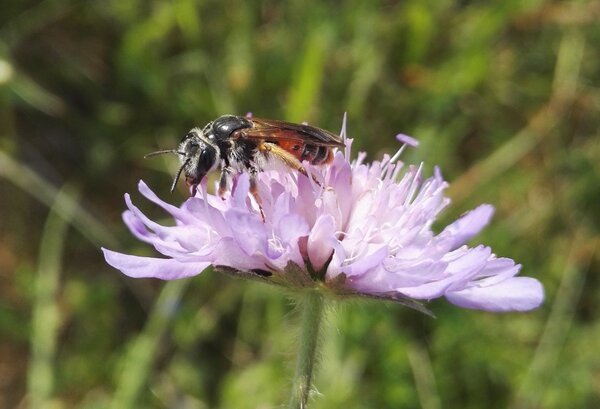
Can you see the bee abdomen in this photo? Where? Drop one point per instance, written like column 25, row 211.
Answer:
column 318, row 154
column 314, row 154
column 309, row 153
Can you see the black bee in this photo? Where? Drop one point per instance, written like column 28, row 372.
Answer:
column 250, row 145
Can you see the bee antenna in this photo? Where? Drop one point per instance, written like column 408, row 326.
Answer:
column 178, row 175
column 163, row 152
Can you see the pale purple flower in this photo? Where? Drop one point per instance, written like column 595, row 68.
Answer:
column 364, row 229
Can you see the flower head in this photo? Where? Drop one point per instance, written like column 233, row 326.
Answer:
column 362, row 229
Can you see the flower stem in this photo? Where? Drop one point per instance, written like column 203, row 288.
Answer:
column 312, row 314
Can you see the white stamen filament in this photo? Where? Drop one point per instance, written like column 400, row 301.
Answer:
column 413, row 185
column 392, row 160
column 275, row 243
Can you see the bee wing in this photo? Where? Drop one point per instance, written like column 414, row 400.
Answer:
column 272, row 129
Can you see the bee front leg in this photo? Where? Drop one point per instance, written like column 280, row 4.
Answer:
column 254, row 192
column 225, row 172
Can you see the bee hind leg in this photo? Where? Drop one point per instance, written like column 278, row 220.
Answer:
column 287, row 158
column 254, row 192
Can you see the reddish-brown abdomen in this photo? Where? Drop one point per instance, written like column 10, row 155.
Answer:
column 323, row 154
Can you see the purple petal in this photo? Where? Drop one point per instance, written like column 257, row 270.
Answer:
column 229, row 253
column 249, row 231
column 291, row 227
column 306, row 200
column 514, row 294
column 427, row 291
column 412, row 274
column 138, row 228
column 143, row 218
column 459, row 271
column 140, row 267
column 320, row 241
column 208, row 214
column 367, row 262
column 380, row 280
column 239, row 191
column 174, row 211
column 470, row 224
column 496, row 271
column 279, row 207
column 330, row 206
column 180, row 238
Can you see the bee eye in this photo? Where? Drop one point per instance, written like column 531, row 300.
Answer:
column 207, row 159
column 204, row 157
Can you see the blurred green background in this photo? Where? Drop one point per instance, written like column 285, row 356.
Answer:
column 504, row 95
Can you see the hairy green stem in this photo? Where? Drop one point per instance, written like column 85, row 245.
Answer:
column 312, row 307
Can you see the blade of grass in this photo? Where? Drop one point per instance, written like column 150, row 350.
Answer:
column 38, row 15
column 422, row 370
column 368, row 61
column 35, row 185
column 309, row 77
column 186, row 15
column 142, row 351
column 544, row 362
column 566, row 76
column 46, row 316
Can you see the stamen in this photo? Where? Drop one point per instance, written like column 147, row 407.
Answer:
column 276, row 244
column 414, row 184
column 397, row 155
column 357, row 252
column 204, row 191
column 406, row 141
column 347, row 144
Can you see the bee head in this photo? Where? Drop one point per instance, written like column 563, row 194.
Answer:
column 198, row 156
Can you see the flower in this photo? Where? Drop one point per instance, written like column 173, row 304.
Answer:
column 363, row 229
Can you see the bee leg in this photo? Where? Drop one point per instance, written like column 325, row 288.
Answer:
column 283, row 155
column 254, row 192
column 287, row 158
column 225, row 172
column 314, row 178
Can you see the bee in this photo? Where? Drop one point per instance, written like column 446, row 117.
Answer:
column 242, row 144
